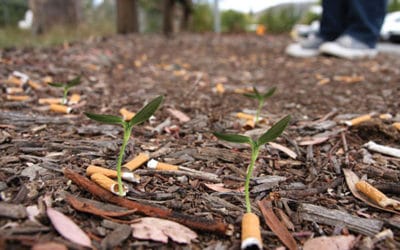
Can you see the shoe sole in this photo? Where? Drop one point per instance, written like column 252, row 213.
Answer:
column 334, row 49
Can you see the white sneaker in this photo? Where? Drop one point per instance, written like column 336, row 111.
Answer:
column 306, row 48
column 348, row 47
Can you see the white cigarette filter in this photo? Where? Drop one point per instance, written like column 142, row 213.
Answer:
column 136, row 162
column 382, row 149
column 127, row 176
column 396, row 125
column 60, row 108
column 251, row 233
column 108, row 184
column 14, row 90
column 153, row 164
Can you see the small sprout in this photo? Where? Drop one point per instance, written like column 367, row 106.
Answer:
column 66, row 86
column 251, row 234
column 261, row 97
column 271, row 134
column 144, row 114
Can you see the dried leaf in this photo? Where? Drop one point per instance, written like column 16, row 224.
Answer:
column 351, row 180
column 313, row 141
column 276, row 225
column 219, row 187
column 339, row 242
column 150, row 228
column 67, row 228
column 182, row 117
column 284, row 149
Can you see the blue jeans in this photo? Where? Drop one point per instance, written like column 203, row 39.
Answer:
column 360, row 19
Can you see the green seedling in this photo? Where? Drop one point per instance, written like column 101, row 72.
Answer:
column 261, row 97
column 144, row 114
column 66, row 86
column 271, row 134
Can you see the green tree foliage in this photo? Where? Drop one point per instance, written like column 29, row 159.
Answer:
column 11, row 11
column 280, row 20
column 202, row 18
column 233, row 21
column 394, row 5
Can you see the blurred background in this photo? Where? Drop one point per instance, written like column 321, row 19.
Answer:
column 50, row 22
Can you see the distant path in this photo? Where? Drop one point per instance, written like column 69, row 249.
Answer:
column 392, row 48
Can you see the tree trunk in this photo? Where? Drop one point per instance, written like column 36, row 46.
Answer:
column 127, row 16
column 49, row 13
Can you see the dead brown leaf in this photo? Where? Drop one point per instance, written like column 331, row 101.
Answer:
column 339, row 242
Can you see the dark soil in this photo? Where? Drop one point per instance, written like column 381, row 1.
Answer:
column 128, row 71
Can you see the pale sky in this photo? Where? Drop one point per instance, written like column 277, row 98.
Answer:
column 254, row 5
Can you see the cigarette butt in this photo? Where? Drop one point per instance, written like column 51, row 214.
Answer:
column 108, row 184
column 50, row 100
column 47, row 79
column 377, row 196
column 14, row 90
column 358, row 120
column 126, row 114
column 136, row 162
column 245, row 116
column 60, row 108
column 396, row 125
column 251, row 234
column 385, row 116
column 15, row 80
column 220, row 88
column 17, row 97
column 249, row 124
column 34, row 85
column 153, row 164
column 74, row 99
column 243, row 90
column 127, row 176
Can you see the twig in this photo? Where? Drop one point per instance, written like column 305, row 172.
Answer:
column 188, row 220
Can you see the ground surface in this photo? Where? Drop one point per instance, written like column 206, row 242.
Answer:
column 320, row 93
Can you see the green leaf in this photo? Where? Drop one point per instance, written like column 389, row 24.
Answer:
column 251, row 95
column 111, row 119
column 74, row 82
column 275, row 131
column 269, row 93
column 255, row 90
column 233, row 138
column 146, row 111
column 56, row 84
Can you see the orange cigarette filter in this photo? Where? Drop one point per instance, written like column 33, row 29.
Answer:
column 15, row 80
column 34, row 85
column 251, row 233
column 60, row 108
column 250, row 124
column 153, row 164
column 245, row 116
column 396, row 125
column 74, row 99
column 128, row 176
column 358, row 120
column 136, row 162
column 108, row 184
column 14, row 90
column 243, row 90
column 377, row 196
column 220, row 88
column 126, row 114
column 49, row 100
column 17, row 97
column 385, row 116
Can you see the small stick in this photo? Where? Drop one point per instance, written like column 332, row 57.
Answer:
column 156, row 211
column 345, row 148
column 377, row 196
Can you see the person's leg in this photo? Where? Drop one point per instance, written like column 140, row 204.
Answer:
column 333, row 20
column 365, row 18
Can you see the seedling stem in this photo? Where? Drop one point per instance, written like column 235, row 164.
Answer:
column 140, row 117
